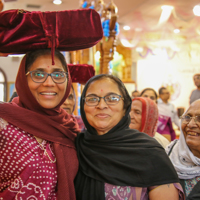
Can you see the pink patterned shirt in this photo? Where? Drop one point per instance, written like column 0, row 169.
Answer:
column 26, row 171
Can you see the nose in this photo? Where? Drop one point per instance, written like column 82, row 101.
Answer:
column 131, row 114
column 102, row 104
column 192, row 123
column 49, row 81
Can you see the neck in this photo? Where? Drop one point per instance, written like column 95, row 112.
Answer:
column 196, row 153
column 165, row 101
column 198, row 88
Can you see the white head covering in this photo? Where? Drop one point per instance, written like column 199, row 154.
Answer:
column 185, row 163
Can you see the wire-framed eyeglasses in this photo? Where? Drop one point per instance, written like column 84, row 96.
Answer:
column 110, row 99
column 187, row 118
column 41, row 77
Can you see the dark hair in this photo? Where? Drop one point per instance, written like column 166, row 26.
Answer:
column 135, row 91
column 121, row 87
column 33, row 55
column 143, row 91
column 160, row 91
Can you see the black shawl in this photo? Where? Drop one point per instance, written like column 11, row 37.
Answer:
column 122, row 157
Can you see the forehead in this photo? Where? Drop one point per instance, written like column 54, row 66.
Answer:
column 103, row 86
column 196, row 76
column 45, row 61
column 136, row 104
column 149, row 93
column 194, row 109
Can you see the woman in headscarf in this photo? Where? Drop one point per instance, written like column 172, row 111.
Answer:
column 144, row 118
column 117, row 162
column 38, row 155
column 185, row 152
column 164, row 126
column 69, row 106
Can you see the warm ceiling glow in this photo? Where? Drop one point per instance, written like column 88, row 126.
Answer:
column 166, row 12
column 138, row 29
column 57, row 2
column 196, row 10
column 139, row 49
column 126, row 43
column 176, row 31
column 126, row 28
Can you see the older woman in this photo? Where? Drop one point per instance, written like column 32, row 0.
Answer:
column 117, row 162
column 164, row 122
column 38, row 155
column 144, row 118
column 185, row 152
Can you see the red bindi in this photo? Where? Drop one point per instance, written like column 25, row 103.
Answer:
column 101, row 90
column 48, row 66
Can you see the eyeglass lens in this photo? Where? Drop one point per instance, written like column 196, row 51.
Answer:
column 40, row 77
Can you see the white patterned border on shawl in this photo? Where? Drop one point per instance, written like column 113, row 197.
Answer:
column 186, row 164
column 30, row 186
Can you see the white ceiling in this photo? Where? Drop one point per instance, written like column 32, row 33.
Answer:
column 142, row 14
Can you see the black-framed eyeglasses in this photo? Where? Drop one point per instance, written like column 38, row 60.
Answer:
column 187, row 118
column 110, row 99
column 41, row 77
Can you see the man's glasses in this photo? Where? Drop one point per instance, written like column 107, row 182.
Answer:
column 110, row 99
column 41, row 77
column 186, row 119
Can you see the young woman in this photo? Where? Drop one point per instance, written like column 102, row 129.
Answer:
column 38, row 156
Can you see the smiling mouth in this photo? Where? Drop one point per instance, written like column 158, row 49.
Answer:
column 48, row 93
column 192, row 134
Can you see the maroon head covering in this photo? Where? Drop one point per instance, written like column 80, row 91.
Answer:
column 54, row 125
column 149, row 116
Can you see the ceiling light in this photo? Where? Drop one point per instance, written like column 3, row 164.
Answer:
column 126, row 28
column 196, row 10
column 126, row 43
column 139, row 49
column 166, row 12
column 176, row 31
column 57, row 2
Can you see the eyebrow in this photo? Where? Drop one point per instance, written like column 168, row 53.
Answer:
column 110, row 93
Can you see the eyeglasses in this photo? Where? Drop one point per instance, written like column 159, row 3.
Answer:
column 186, row 119
column 110, row 99
column 41, row 77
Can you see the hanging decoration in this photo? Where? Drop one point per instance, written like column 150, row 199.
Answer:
column 108, row 14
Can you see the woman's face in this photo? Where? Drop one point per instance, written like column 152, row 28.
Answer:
column 136, row 115
column 191, row 130
column 69, row 103
column 103, row 117
column 149, row 94
column 47, row 94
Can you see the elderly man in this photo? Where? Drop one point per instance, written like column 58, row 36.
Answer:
column 195, row 93
column 165, row 107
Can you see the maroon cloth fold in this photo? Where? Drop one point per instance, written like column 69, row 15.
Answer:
column 22, row 31
column 81, row 73
column 54, row 125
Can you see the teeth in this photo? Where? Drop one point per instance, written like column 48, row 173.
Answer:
column 48, row 93
column 192, row 133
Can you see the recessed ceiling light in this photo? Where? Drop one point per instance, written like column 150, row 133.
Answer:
column 196, row 10
column 126, row 28
column 57, row 2
column 176, row 31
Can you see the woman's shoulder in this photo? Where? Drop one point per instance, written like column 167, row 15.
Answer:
column 3, row 124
